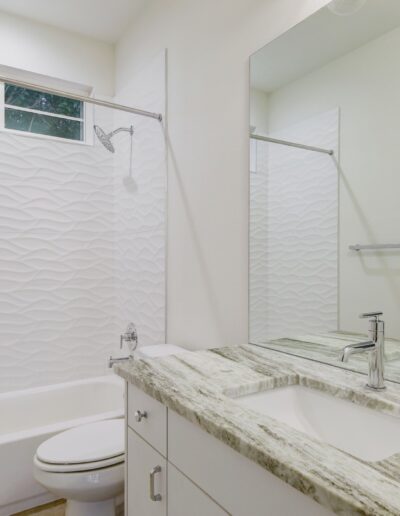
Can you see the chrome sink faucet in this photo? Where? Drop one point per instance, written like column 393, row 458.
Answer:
column 376, row 349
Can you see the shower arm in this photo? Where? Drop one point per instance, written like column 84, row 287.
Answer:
column 120, row 130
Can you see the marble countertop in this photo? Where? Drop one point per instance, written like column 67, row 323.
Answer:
column 201, row 385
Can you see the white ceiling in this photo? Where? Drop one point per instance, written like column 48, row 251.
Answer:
column 101, row 19
column 318, row 40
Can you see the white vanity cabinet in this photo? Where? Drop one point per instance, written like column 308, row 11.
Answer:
column 146, row 479
column 194, row 473
column 146, row 469
column 184, row 498
column 148, row 418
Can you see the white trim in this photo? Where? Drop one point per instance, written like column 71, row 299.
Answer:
column 88, row 115
column 2, row 111
column 44, row 80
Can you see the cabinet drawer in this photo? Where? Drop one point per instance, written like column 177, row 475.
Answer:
column 146, row 476
column 153, row 426
column 238, row 484
column 185, row 498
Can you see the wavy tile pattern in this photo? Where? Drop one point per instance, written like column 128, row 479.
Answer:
column 80, row 255
column 293, row 228
column 140, row 208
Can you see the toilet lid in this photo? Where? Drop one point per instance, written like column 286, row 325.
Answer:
column 84, row 444
column 78, row 468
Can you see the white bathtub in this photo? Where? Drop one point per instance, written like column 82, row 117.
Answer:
column 31, row 416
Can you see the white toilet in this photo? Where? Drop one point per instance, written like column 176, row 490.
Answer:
column 85, row 464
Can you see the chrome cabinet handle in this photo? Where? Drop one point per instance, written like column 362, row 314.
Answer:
column 139, row 415
column 154, row 497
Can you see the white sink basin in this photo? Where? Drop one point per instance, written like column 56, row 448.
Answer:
column 360, row 431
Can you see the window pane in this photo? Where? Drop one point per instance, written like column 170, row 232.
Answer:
column 42, row 124
column 22, row 97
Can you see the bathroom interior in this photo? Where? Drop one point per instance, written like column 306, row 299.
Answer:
column 199, row 258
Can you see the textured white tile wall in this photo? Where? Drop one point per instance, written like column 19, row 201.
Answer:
column 294, row 233
column 80, row 255
column 56, row 260
column 140, row 208
column 258, row 244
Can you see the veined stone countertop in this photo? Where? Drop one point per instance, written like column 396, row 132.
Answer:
column 200, row 386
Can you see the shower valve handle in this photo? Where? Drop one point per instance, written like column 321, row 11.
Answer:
column 130, row 337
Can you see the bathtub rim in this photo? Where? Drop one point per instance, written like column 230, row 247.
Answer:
column 12, row 437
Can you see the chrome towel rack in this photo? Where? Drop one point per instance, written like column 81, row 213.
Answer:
column 373, row 247
column 269, row 139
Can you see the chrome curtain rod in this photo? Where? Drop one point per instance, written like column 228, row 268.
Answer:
column 291, row 144
column 81, row 98
column 373, row 247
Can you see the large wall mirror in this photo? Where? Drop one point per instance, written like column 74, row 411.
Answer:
column 325, row 184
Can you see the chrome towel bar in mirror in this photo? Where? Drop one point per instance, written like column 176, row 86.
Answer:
column 373, row 247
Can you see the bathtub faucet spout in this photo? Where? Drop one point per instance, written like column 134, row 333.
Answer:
column 112, row 360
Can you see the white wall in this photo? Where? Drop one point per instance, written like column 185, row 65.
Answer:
column 46, row 50
column 208, row 44
column 365, row 85
column 259, row 111
column 140, row 208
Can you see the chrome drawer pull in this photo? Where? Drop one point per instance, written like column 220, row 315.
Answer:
column 139, row 415
column 154, row 497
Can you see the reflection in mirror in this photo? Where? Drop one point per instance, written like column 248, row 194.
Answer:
column 325, row 184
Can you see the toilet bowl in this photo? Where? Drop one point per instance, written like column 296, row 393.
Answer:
column 85, row 465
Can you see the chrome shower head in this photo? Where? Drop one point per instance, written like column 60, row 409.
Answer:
column 105, row 138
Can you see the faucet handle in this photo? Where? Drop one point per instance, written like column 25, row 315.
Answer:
column 130, row 337
column 376, row 325
column 371, row 315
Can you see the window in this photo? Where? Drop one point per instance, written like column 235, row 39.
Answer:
column 33, row 111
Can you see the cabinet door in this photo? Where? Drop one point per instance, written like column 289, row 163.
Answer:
column 147, row 479
column 238, row 484
column 185, row 498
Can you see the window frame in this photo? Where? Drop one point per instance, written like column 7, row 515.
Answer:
column 86, row 120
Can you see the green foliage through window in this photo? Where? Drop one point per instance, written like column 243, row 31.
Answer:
column 25, row 119
column 42, row 124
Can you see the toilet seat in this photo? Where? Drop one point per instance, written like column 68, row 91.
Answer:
column 76, row 468
column 83, row 448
